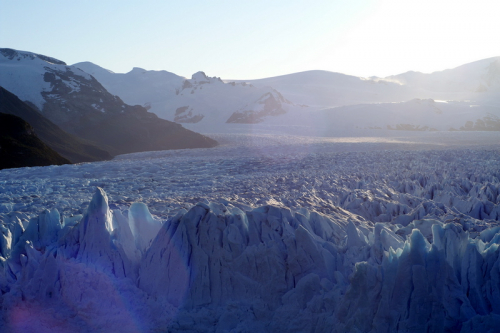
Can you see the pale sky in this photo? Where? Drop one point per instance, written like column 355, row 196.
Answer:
column 255, row 39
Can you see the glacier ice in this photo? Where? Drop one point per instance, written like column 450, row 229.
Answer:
column 268, row 268
column 268, row 238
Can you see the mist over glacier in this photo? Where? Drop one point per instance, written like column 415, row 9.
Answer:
column 276, row 232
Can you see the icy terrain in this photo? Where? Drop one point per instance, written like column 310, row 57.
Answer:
column 380, row 232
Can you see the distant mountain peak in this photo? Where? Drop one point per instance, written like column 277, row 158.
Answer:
column 91, row 68
column 12, row 54
column 137, row 70
column 199, row 76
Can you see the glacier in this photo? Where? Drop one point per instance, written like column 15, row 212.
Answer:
column 264, row 233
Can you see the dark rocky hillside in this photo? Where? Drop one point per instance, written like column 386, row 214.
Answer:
column 94, row 114
column 20, row 147
column 69, row 146
column 76, row 102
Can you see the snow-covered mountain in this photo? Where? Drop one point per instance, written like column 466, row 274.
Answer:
column 200, row 99
column 398, row 102
column 79, row 104
column 469, row 111
column 29, row 75
column 329, row 89
column 479, row 80
column 203, row 96
column 137, row 87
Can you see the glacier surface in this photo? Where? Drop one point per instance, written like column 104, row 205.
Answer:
column 263, row 233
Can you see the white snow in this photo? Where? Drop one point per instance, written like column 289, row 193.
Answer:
column 164, row 93
column 98, row 107
column 23, row 75
column 26, row 81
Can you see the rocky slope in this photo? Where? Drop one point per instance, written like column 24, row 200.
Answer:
column 78, row 103
column 20, row 146
column 69, row 146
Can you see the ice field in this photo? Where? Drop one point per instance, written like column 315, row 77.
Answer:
column 273, row 230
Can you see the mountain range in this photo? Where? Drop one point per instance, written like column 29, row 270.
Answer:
column 69, row 146
column 478, row 81
column 199, row 99
column 408, row 101
column 76, row 102
column 102, row 113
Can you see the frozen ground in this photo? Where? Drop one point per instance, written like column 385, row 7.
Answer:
column 285, row 236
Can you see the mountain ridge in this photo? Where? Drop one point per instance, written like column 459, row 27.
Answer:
column 77, row 102
column 205, row 104
column 201, row 98
column 69, row 146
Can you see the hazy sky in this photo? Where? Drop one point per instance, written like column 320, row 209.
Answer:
column 254, row 39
